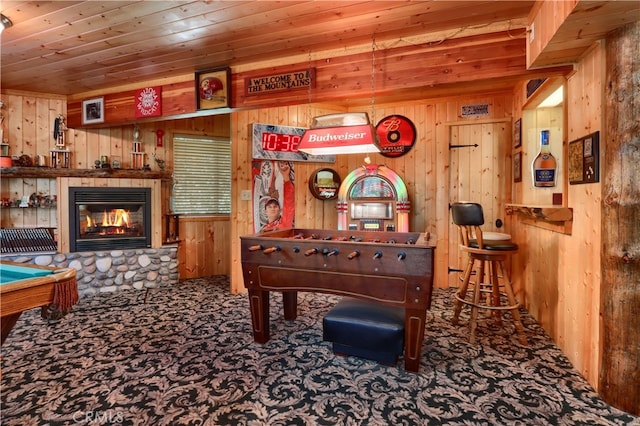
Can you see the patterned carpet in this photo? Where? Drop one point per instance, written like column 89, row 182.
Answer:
column 187, row 357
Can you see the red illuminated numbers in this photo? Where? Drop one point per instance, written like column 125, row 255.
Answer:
column 280, row 142
column 289, row 143
column 270, row 141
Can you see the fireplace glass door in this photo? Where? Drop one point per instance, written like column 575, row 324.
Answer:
column 109, row 218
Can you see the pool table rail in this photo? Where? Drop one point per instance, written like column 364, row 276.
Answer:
column 43, row 291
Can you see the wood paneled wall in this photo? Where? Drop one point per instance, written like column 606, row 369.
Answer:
column 479, row 64
column 559, row 275
column 424, row 169
column 28, row 128
column 204, row 245
column 16, row 217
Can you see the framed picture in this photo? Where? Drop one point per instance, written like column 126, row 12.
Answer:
column 274, row 194
column 93, row 111
column 584, row 159
column 517, row 167
column 213, row 88
column 517, row 133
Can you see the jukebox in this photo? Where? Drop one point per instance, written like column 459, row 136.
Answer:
column 373, row 198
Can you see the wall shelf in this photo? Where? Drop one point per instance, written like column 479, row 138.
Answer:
column 50, row 172
column 553, row 218
column 30, row 207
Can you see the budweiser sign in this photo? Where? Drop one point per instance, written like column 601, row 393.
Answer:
column 339, row 140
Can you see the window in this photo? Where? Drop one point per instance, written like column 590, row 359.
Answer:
column 201, row 175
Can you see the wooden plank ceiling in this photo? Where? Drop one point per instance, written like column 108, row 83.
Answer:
column 72, row 47
column 67, row 47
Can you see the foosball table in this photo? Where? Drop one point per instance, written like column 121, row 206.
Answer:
column 391, row 268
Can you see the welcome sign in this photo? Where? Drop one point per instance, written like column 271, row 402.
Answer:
column 301, row 79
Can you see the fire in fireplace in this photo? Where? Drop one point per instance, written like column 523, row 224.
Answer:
column 109, row 218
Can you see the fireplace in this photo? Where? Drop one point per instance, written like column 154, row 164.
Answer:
column 109, row 218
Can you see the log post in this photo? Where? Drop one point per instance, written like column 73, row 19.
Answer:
column 620, row 288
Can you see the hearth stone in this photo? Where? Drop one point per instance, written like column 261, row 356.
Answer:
column 115, row 270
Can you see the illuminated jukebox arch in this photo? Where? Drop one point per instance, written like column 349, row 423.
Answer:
column 373, row 198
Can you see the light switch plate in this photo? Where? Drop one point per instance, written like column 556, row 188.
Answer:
column 245, row 195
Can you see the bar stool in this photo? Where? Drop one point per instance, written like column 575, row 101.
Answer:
column 492, row 288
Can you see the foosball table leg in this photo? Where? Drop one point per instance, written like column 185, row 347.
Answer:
column 414, row 337
column 290, row 302
column 259, row 304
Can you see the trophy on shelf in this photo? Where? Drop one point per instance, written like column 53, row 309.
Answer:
column 60, row 156
column 5, row 160
column 137, row 156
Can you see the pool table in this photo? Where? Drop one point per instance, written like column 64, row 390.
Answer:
column 26, row 286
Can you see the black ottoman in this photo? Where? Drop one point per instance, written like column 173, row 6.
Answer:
column 365, row 329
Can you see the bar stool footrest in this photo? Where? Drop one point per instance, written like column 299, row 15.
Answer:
column 486, row 306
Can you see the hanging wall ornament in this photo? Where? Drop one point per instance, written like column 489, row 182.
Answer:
column 149, row 102
column 324, row 184
column 396, row 135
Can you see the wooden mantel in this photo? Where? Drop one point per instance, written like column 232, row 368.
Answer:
column 49, row 172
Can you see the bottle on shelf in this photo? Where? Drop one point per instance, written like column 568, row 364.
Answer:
column 544, row 166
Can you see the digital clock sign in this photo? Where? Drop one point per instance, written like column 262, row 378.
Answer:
column 273, row 142
column 280, row 142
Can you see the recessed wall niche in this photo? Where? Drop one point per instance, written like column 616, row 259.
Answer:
column 544, row 110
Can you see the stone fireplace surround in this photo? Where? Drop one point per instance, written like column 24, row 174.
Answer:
column 114, row 270
column 110, row 271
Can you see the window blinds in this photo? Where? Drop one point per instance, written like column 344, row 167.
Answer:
column 201, row 175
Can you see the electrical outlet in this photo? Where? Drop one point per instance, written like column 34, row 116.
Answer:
column 245, row 195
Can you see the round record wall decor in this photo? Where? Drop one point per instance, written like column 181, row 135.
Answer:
column 324, row 184
column 397, row 135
